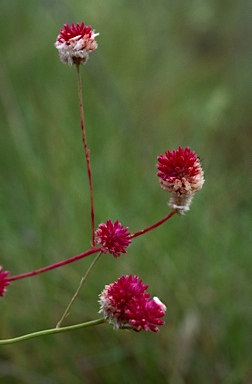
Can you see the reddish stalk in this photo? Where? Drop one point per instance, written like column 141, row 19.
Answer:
column 55, row 265
column 153, row 225
column 87, row 153
column 84, row 254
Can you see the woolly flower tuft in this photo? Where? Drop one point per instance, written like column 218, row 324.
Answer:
column 126, row 303
column 180, row 173
column 3, row 281
column 114, row 238
column 74, row 43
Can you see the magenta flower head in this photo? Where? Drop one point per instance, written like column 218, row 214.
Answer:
column 74, row 43
column 114, row 238
column 180, row 173
column 3, row 281
column 126, row 303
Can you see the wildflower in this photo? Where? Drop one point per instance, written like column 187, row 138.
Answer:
column 180, row 173
column 114, row 238
column 126, row 303
column 74, row 43
column 3, row 281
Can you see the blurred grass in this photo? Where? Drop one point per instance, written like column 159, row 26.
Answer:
column 167, row 73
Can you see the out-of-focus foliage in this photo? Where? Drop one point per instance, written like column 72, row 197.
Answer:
column 167, row 73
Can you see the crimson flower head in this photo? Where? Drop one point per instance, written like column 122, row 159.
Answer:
column 114, row 238
column 126, row 303
column 3, row 281
column 180, row 173
column 74, row 43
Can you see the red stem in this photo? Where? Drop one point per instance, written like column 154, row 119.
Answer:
column 87, row 154
column 153, row 225
column 53, row 266
column 84, row 254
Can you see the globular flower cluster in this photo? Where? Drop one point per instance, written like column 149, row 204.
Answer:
column 180, row 173
column 126, row 303
column 3, row 281
column 114, row 238
column 75, row 42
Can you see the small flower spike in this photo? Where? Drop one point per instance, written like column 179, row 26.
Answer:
column 180, row 173
column 114, row 238
column 74, row 43
column 126, row 303
column 3, row 281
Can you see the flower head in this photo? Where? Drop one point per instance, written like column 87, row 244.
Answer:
column 180, row 173
column 74, row 43
column 114, row 238
column 126, row 303
column 3, row 281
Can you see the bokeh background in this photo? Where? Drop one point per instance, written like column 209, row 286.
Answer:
column 167, row 73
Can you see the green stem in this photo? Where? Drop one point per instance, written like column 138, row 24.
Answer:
column 52, row 331
column 78, row 290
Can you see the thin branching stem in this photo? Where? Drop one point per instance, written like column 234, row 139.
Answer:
column 157, row 224
column 84, row 254
column 87, row 153
column 52, row 331
column 55, row 265
column 83, row 279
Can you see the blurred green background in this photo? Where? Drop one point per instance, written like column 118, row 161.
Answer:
column 167, row 73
